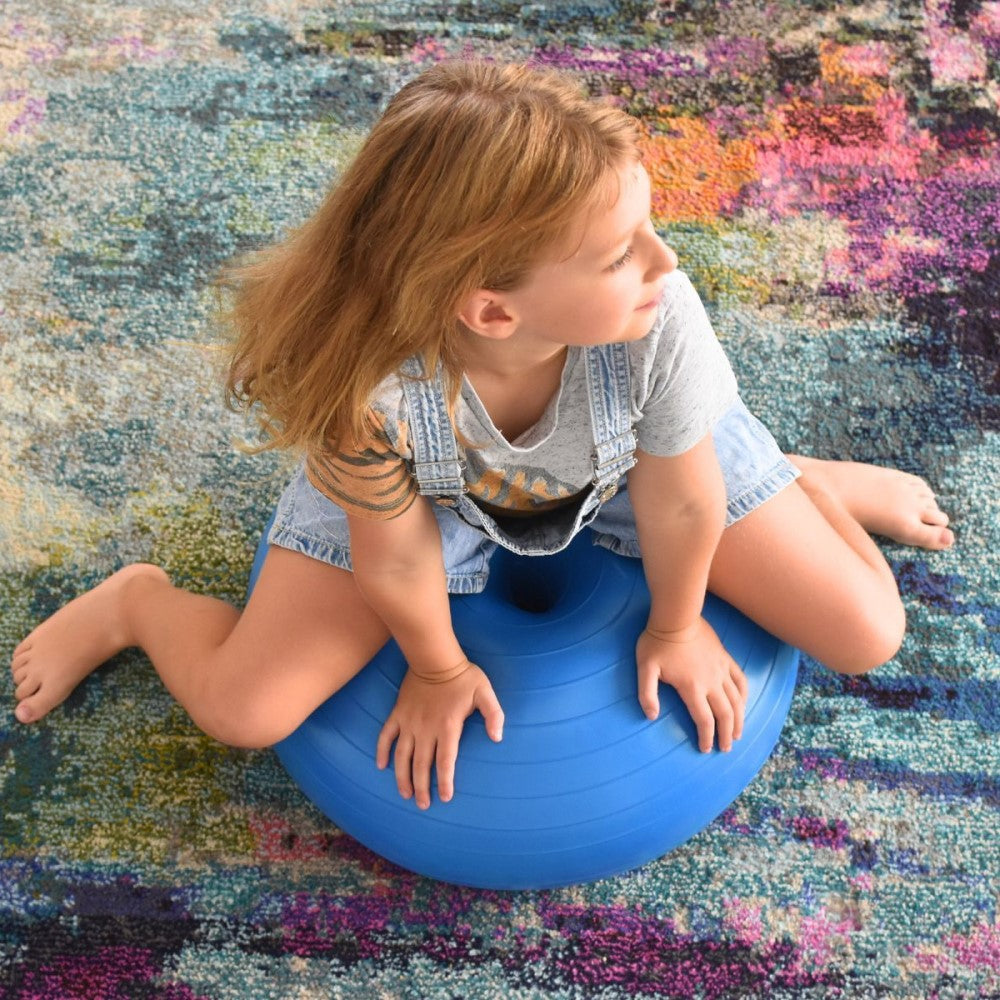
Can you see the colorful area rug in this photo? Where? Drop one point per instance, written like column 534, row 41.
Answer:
column 829, row 174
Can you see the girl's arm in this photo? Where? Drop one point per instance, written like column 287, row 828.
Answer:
column 398, row 567
column 679, row 506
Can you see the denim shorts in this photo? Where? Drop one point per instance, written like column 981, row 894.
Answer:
column 753, row 467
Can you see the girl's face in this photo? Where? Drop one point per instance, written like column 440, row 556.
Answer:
column 603, row 286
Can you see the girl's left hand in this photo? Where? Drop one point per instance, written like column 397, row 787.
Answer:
column 696, row 664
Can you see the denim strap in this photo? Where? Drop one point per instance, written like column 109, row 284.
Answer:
column 437, row 466
column 609, row 389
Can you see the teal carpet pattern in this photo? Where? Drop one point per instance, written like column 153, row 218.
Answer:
column 829, row 174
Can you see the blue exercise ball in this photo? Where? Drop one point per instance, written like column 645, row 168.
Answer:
column 583, row 785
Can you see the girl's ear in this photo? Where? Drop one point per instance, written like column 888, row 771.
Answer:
column 489, row 314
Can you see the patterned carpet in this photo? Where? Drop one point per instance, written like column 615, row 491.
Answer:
column 829, row 173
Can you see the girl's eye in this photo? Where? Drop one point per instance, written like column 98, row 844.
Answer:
column 622, row 260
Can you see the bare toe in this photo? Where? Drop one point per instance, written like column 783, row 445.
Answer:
column 934, row 515
column 931, row 536
column 28, row 711
column 29, row 687
column 36, row 698
column 942, row 538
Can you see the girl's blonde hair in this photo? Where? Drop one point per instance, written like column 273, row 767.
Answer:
column 472, row 173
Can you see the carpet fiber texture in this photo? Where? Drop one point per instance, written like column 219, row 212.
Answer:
column 829, row 174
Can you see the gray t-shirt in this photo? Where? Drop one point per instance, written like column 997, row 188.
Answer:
column 681, row 384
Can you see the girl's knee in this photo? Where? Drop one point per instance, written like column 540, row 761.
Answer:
column 246, row 732
column 243, row 735
column 874, row 638
column 245, row 720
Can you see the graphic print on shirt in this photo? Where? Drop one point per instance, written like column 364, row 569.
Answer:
column 374, row 481
column 371, row 480
column 528, row 490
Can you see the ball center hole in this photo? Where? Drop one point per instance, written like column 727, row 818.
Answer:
column 535, row 591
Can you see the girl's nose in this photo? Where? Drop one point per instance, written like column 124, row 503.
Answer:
column 662, row 259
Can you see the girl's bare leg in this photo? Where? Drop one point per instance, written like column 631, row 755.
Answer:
column 247, row 679
column 802, row 567
column 884, row 501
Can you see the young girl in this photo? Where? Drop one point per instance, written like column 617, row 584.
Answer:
column 479, row 339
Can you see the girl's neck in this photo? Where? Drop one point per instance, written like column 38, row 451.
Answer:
column 509, row 359
column 515, row 389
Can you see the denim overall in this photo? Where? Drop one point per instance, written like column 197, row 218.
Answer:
column 438, row 468
column 752, row 464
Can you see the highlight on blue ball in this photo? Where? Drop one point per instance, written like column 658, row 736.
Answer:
column 582, row 786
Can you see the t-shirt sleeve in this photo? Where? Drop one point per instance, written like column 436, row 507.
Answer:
column 370, row 480
column 684, row 380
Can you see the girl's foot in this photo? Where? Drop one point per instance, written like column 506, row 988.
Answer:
column 70, row 645
column 883, row 501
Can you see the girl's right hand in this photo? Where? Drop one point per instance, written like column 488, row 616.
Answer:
column 426, row 724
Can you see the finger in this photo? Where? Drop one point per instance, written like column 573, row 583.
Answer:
column 724, row 718
column 386, row 736
column 447, row 755
column 649, row 692
column 489, row 707
column 740, row 680
column 423, row 759
column 738, row 703
column 404, row 762
column 704, row 721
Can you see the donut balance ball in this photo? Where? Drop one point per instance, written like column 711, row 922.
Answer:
column 582, row 785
